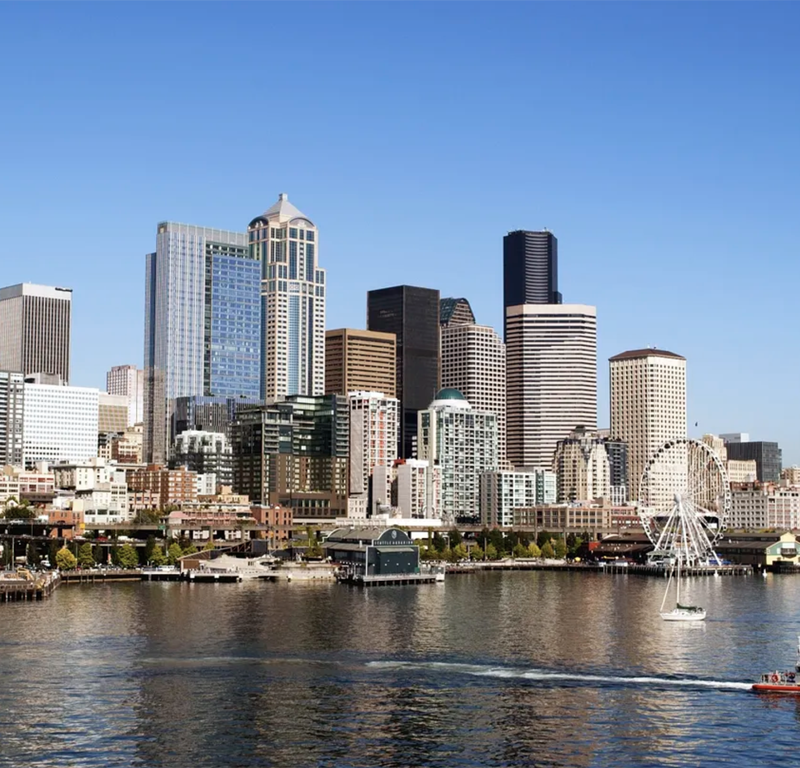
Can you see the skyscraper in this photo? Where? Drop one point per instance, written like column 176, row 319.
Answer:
column 530, row 269
column 12, row 397
column 412, row 315
column 648, row 405
column 551, row 364
column 35, row 329
column 359, row 360
column 767, row 456
column 474, row 363
column 455, row 312
column 128, row 381
column 202, row 322
column 285, row 241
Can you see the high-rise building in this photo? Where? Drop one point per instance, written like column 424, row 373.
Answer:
column 128, row 381
column 767, row 456
column 112, row 420
column 12, row 417
column 412, row 315
column 504, row 491
column 357, row 360
column 455, row 312
column 582, row 467
column 202, row 323
column 35, row 329
column 530, row 270
column 205, row 414
column 373, row 442
column 474, row 363
column 285, row 241
column 462, row 443
column 551, row 372
column 59, row 423
column 417, row 489
column 206, row 453
column 648, row 405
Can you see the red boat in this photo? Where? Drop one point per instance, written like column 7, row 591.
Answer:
column 781, row 682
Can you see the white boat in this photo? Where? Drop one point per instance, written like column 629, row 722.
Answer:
column 680, row 612
column 245, row 567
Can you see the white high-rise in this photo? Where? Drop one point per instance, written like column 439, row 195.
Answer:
column 474, row 363
column 128, row 381
column 285, row 240
column 648, row 405
column 582, row 467
column 551, row 364
column 373, row 438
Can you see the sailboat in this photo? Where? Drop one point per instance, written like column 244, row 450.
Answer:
column 680, row 612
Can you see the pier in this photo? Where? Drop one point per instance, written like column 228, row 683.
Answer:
column 610, row 567
column 394, row 579
column 22, row 588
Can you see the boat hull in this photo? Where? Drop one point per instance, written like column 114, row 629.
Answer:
column 679, row 615
column 775, row 688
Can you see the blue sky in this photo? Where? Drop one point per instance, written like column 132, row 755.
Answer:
column 658, row 141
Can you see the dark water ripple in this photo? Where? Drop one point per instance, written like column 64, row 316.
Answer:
column 499, row 670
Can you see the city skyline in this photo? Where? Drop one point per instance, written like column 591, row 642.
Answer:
column 635, row 172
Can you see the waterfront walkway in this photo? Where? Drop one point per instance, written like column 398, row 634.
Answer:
column 607, row 567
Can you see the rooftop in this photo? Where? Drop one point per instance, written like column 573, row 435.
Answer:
column 283, row 210
column 636, row 354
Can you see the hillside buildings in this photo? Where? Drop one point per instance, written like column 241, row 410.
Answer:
column 412, row 314
column 285, row 242
column 35, row 329
column 648, row 406
column 551, row 364
column 462, row 443
column 360, row 361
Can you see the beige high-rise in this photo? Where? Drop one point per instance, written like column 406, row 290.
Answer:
column 360, row 361
column 551, row 363
column 35, row 329
column 648, row 405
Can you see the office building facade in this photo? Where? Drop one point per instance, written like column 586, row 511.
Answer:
column 285, row 241
column 12, row 418
column 360, row 361
column 767, row 456
column 506, row 490
column 128, row 381
column 648, row 408
column 474, row 363
column 551, row 365
column 412, row 314
column 35, row 329
column 455, row 312
column 202, row 323
column 582, row 467
column 530, row 269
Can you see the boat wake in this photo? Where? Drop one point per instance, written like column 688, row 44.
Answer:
column 551, row 676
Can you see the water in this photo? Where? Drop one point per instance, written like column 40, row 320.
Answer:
column 505, row 669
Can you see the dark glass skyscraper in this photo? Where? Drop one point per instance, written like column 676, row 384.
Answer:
column 768, row 458
column 412, row 314
column 530, row 269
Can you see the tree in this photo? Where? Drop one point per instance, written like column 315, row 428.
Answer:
column 458, row 553
column 52, row 551
column 157, row 557
column 190, row 550
column 174, row 553
column 439, row 542
column 560, row 549
column 520, row 550
column 65, row 560
column 455, row 537
column 128, row 556
column 543, row 538
column 547, row 551
column 497, row 540
column 476, row 553
column 491, row 552
column 85, row 555
column 533, row 550
column 210, row 544
column 150, row 547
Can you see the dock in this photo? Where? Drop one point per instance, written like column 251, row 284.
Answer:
column 13, row 589
column 388, row 580
column 608, row 567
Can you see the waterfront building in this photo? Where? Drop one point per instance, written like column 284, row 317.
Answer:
column 35, row 329
column 202, row 323
column 595, row 519
column 418, row 489
column 504, row 491
column 357, row 360
column 582, row 467
column 12, row 418
column 741, row 470
column 128, row 381
column 474, row 363
column 373, row 551
column 35, row 485
column 412, row 315
column 455, row 312
column 530, row 270
column 373, row 440
column 767, row 457
column 648, row 407
column 163, row 487
column 59, row 423
column 765, row 506
column 207, row 453
column 294, row 453
column 285, row 241
column 462, row 442
column 551, row 365
column 98, row 489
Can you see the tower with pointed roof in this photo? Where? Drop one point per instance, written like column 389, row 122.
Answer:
column 292, row 301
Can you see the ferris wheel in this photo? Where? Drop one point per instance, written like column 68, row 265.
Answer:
column 684, row 501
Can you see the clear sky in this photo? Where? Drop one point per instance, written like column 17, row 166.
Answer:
column 660, row 142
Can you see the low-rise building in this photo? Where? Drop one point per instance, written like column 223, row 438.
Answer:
column 762, row 506
column 741, row 470
column 596, row 519
column 790, row 475
column 762, row 550
column 169, row 486
column 373, row 551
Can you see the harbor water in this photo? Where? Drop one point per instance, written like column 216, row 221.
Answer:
column 494, row 669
